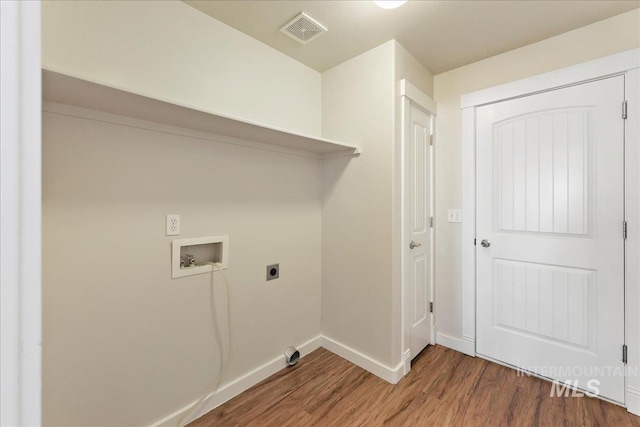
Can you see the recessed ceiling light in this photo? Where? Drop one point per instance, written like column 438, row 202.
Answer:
column 390, row 4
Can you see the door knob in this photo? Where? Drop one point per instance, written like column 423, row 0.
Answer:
column 414, row 245
column 485, row 243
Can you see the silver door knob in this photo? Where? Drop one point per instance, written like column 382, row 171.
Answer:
column 414, row 245
column 485, row 243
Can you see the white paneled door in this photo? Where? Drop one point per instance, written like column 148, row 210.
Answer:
column 550, row 244
column 418, row 228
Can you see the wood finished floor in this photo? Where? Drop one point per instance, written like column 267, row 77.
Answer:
column 444, row 388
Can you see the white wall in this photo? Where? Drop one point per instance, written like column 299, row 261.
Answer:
column 357, row 106
column 173, row 52
column 360, row 226
column 603, row 38
column 123, row 343
column 408, row 67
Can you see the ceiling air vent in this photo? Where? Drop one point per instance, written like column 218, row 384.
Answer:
column 303, row 28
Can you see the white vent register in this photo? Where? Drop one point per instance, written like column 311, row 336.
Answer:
column 303, row 28
column 191, row 256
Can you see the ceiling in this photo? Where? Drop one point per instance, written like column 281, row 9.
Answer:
column 442, row 35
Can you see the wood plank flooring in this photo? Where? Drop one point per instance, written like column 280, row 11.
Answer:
column 444, row 388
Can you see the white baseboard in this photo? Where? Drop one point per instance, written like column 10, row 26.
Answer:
column 237, row 386
column 434, row 334
column 633, row 400
column 234, row 388
column 464, row 345
column 390, row 375
column 406, row 362
column 469, row 344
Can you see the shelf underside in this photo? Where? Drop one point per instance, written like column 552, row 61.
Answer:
column 69, row 90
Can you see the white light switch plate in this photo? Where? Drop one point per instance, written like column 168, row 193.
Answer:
column 454, row 215
column 173, row 225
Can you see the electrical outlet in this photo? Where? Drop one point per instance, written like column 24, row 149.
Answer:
column 173, row 225
column 273, row 271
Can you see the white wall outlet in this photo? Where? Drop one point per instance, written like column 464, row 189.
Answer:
column 454, row 215
column 173, row 225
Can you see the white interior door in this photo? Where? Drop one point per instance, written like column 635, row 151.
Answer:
column 550, row 278
column 418, row 228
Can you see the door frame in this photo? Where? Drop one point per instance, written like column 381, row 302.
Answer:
column 410, row 95
column 20, row 218
column 626, row 63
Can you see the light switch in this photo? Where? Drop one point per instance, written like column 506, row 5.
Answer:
column 454, row 215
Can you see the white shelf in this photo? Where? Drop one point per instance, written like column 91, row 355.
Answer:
column 64, row 89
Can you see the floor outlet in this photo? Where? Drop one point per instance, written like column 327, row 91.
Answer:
column 173, row 225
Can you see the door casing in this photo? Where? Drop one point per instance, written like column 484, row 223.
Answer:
column 20, row 214
column 625, row 63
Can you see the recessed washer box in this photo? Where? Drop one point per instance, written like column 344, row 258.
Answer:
column 203, row 249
